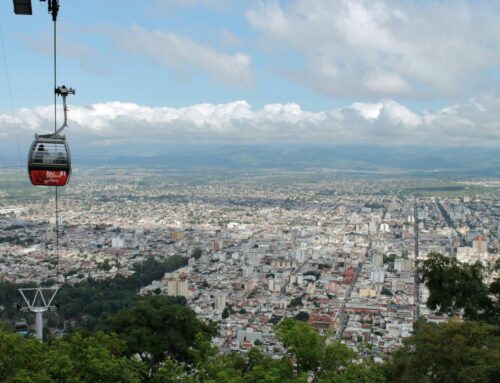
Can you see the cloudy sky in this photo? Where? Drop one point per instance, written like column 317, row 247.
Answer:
column 227, row 71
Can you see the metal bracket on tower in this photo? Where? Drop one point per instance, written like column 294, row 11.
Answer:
column 39, row 300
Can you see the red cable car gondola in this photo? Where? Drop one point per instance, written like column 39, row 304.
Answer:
column 49, row 162
column 49, row 159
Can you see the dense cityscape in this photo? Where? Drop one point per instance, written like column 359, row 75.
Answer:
column 272, row 191
column 339, row 252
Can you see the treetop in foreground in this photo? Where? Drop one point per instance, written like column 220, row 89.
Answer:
column 455, row 288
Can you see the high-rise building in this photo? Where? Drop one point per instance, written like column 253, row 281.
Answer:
column 480, row 245
column 178, row 286
column 117, row 242
column 220, row 302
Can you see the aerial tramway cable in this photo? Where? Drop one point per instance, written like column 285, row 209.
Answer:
column 54, row 19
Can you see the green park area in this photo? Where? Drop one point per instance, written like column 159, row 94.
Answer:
column 450, row 190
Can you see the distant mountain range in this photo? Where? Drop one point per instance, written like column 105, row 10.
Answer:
column 483, row 161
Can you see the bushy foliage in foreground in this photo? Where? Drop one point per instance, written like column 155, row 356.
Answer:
column 98, row 358
column 107, row 358
column 159, row 340
column 453, row 352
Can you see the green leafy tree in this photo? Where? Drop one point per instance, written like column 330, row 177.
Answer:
column 387, row 259
column 197, row 253
column 303, row 341
column 89, row 300
column 448, row 353
column 157, row 327
column 325, row 361
column 297, row 301
column 386, row 291
column 253, row 367
column 454, row 287
column 302, row 316
column 20, row 359
column 171, row 372
column 98, row 358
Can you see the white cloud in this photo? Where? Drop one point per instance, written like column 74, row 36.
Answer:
column 400, row 115
column 366, row 48
column 368, row 111
column 183, row 54
column 386, row 122
column 387, row 83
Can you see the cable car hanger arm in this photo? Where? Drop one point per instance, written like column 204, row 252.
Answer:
column 63, row 92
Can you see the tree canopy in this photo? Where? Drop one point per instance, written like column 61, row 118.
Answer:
column 77, row 359
column 325, row 360
column 454, row 287
column 453, row 352
column 157, row 339
column 158, row 327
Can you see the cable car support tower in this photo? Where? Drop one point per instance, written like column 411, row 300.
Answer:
column 39, row 300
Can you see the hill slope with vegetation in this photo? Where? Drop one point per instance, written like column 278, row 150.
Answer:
column 158, row 339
